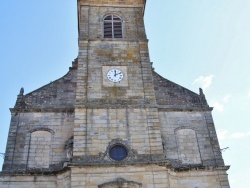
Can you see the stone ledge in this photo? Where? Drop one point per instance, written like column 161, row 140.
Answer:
column 178, row 167
column 115, row 40
column 170, row 108
column 68, row 165
column 27, row 110
column 115, row 105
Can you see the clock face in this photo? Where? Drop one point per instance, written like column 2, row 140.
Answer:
column 115, row 75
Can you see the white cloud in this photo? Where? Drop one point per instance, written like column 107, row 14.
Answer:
column 218, row 106
column 226, row 98
column 222, row 134
column 204, row 81
column 240, row 134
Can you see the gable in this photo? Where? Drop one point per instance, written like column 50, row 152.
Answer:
column 59, row 94
column 170, row 94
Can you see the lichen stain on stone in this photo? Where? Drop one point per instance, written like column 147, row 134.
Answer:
column 114, row 91
column 113, row 53
column 131, row 54
column 103, row 53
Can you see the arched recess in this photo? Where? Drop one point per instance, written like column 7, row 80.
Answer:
column 120, row 183
column 188, row 148
column 39, row 148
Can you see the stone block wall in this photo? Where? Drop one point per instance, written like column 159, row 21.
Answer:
column 39, row 149
column 24, row 181
column 114, row 54
column 131, row 51
column 144, row 176
column 91, row 21
column 188, row 149
column 208, row 147
column 139, row 128
column 27, row 129
column 150, row 176
column 93, row 56
column 147, row 176
column 62, row 180
column 213, row 178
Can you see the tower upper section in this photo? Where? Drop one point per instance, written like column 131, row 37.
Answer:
column 119, row 19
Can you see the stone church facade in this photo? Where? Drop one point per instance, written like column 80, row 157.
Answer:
column 112, row 121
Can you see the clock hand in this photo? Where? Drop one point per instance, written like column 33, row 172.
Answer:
column 118, row 73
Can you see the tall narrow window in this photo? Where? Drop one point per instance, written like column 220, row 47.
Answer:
column 112, row 27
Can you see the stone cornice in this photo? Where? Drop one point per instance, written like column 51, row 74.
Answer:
column 67, row 166
column 28, row 110
column 161, row 108
column 169, row 108
column 82, row 39
column 108, row 5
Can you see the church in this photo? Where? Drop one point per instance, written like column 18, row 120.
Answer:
column 112, row 121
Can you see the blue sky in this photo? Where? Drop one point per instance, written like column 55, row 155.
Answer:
column 195, row 43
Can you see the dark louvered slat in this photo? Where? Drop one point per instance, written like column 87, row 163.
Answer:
column 108, row 18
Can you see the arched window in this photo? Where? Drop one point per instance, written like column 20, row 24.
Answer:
column 112, row 27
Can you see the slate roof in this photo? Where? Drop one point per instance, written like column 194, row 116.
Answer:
column 170, row 94
column 61, row 94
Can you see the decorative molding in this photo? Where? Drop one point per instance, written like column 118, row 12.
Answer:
column 115, row 13
column 59, row 168
column 104, row 156
column 28, row 110
column 120, row 182
column 42, row 129
column 69, row 148
column 123, row 143
column 185, row 127
column 180, row 108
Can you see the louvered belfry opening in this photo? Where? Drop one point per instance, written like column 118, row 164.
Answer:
column 112, row 27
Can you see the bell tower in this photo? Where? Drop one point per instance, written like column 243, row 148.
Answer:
column 115, row 80
column 112, row 37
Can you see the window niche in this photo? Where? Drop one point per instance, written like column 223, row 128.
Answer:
column 39, row 148
column 188, row 148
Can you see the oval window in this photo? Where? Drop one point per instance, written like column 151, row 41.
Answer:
column 118, row 153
